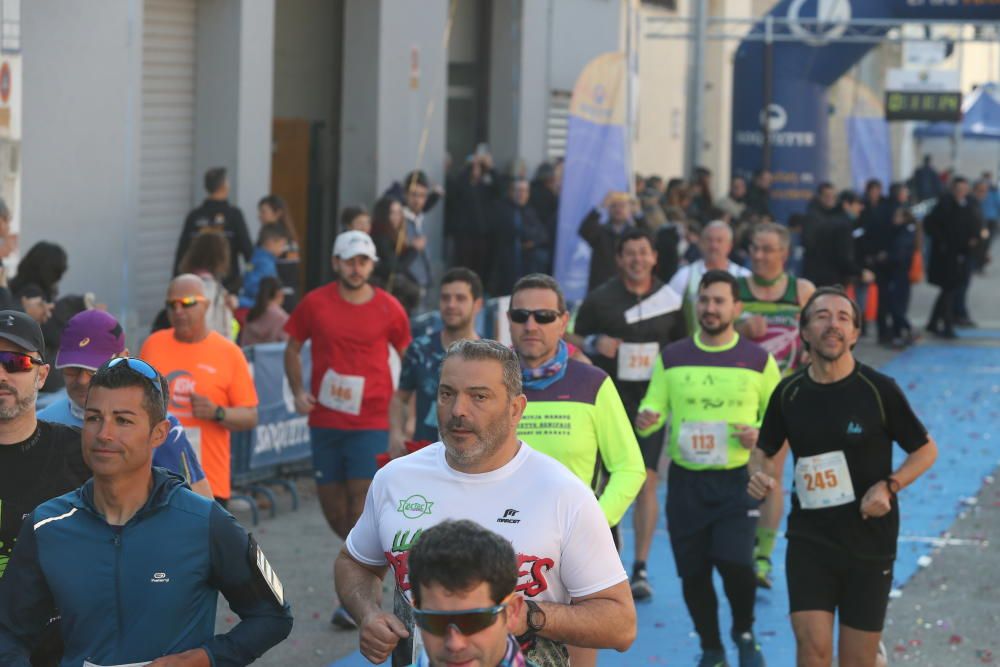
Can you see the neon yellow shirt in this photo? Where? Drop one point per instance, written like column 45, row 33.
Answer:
column 706, row 391
column 579, row 417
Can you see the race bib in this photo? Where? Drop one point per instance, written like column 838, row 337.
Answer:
column 193, row 434
column 342, row 393
column 704, row 443
column 87, row 663
column 635, row 360
column 823, row 481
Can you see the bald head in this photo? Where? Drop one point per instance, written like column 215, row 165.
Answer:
column 187, row 308
column 186, row 284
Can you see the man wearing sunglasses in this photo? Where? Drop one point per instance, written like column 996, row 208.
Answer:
column 211, row 390
column 38, row 460
column 90, row 339
column 133, row 559
column 463, row 598
column 574, row 413
column 575, row 588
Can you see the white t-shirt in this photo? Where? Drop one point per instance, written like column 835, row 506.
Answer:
column 561, row 537
column 685, row 281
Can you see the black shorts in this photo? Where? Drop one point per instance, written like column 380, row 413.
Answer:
column 652, row 448
column 710, row 518
column 824, row 579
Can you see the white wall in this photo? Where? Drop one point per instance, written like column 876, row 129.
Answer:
column 234, row 97
column 80, row 135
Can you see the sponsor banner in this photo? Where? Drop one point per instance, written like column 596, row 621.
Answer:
column 281, row 435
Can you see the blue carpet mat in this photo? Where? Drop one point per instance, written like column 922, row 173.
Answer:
column 956, row 392
column 973, row 334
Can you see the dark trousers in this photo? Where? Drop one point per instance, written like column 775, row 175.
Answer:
column 883, row 278
column 961, row 295
column 898, row 300
column 740, row 584
column 943, row 314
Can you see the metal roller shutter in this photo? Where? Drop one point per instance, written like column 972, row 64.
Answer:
column 166, row 147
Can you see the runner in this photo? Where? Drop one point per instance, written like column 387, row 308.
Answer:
column 91, row 338
column 715, row 387
column 483, row 473
column 460, row 302
column 211, row 390
column 772, row 300
column 462, row 578
column 716, row 244
column 351, row 325
column 625, row 322
column 574, row 413
column 840, row 419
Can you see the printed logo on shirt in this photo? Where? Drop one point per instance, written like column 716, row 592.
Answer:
column 181, row 385
column 509, row 516
column 414, row 507
column 160, row 578
column 854, row 428
column 208, row 369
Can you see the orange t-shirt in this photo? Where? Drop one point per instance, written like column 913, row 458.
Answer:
column 216, row 369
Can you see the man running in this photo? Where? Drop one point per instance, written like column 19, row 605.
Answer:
column 351, row 325
column 574, row 413
column 133, row 560
column 715, row 243
column 625, row 322
column 575, row 588
column 715, row 387
column 772, row 300
column 840, row 418
column 460, row 302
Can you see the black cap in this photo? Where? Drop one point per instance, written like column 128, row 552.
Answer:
column 21, row 330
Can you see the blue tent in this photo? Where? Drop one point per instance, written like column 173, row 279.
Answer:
column 980, row 117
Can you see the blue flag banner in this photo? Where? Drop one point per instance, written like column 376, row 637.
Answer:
column 870, row 149
column 596, row 163
column 281, row 435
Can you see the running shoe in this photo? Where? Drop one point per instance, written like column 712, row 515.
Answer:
column 762, row 566
column 713, row 657
column 343, row 619
column 641, row 589
column 750, row 655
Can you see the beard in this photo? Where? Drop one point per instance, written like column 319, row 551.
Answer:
column 834, row 355
column 488, row 439
column 20, row 406
column 717, row 329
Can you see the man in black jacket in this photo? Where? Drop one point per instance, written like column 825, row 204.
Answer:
column 217, row 215
column 520, row 242
column 830, row 257
column 953, row 228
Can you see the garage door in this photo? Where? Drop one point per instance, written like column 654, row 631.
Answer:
column 166, row 147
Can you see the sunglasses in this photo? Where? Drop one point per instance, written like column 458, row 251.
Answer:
column 468, row 622
column 18, row 362
column 141, row 367
column 543, row 316
column 185, row 302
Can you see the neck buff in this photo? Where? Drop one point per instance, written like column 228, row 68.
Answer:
column 548, row 373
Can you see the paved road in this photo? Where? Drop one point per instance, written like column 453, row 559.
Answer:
column 947, row 614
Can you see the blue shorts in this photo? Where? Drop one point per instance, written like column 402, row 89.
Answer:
column 340, row 455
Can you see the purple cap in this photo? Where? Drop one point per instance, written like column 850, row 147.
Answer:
column 90, row 338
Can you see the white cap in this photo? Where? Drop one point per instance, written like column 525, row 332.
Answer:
column 353, row 243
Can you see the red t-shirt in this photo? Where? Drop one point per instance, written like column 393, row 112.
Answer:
column 350, row 355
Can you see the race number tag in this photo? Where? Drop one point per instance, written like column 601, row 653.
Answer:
column 87, row 663
column 193, row 434
column 704, row 443
column 342, row 393
column 823, row 481
column 635, row 360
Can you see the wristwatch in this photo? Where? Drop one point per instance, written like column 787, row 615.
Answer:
column 220, row 414
column 536, row 617
column 892, row 484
